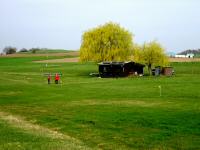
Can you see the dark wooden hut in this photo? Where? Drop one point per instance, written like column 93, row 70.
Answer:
column 120, row 69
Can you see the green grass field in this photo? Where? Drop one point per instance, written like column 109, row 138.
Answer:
column 93, row 113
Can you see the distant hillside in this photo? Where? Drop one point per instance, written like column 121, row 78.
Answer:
column 43, row 51
column 195, row 52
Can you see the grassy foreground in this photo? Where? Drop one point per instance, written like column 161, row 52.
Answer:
column 123, row 113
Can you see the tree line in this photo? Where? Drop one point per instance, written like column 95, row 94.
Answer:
column 11, row 50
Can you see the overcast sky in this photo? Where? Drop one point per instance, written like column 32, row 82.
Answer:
column 60, row 23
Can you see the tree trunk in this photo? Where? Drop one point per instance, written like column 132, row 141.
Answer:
column 149, row 68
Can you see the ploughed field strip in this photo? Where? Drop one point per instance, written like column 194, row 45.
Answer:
column 38, row 130
column 75, row 59
column 184, row 59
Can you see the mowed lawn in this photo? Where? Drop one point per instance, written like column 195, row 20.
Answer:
column 88, row 112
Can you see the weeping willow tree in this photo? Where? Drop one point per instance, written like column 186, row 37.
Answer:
column 109, row 42
column 136, row 54
column 152, row 54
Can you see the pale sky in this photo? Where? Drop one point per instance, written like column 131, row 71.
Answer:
column 61, row 23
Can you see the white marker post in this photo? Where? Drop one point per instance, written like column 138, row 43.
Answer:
column 47, row 55
column 160, row 90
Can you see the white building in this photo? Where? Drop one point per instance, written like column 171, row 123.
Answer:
column 189, row 55
column 180, row 56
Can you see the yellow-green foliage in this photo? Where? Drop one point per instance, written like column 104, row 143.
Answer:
column 136, row 53
column 153, row 54
column 109, row 42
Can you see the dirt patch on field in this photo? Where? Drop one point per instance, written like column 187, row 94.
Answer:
column 38, row 130
column 63, row 60
column 75, row 54
column 127, row 103
column 184, row 59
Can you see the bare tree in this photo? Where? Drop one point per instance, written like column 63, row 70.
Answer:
column 9, row 50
